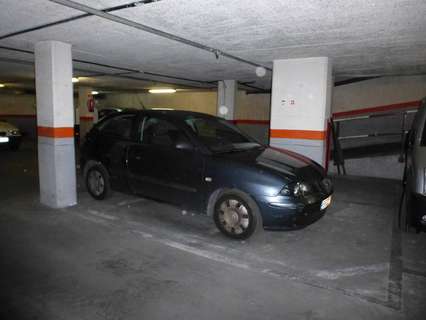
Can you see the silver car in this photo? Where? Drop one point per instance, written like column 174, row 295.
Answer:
column 415, row 173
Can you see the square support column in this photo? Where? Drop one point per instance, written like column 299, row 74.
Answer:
column 55, row 124
column 226, row 97
column 300, row 106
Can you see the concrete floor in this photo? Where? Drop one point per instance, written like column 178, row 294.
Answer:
column 132, row 258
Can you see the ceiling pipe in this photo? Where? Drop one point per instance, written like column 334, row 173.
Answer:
column 123, row 69
column 262, row 90
column 354, row 80
column 31, row 63
column 92, row 74
column 163, row 34
column 81, row 16
column 142, row 72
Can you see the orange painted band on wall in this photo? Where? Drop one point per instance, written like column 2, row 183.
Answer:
column 65, row 132
column 298, row 134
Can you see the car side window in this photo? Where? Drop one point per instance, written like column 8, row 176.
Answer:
column 120, row 126
column 155, row 131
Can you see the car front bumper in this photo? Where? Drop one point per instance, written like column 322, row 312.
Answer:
column 10, row 140
column 285, row 213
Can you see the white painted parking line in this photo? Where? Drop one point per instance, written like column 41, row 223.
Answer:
column 204, row 253
column 129, row 202
column 94, row 220
column 351, row 271
column 281, row 273
column 201, row 246
column 101, row 214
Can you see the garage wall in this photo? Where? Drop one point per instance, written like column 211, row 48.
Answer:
column 85, row 117
column 381, row 95
column 253, row 110
column 378, row 92
column 390, row 95
column 194, row 101
column 256, row 107
column 19, row 109
column 253, row 113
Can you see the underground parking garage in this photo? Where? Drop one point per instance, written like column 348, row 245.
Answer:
column 166, row 159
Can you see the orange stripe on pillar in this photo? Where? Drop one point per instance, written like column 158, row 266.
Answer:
column 298, row 134
column 64, row 132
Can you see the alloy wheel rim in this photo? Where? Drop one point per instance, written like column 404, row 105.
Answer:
column 96, row 182
column 234, row 216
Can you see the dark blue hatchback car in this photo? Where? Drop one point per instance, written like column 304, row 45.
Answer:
column 205, row 164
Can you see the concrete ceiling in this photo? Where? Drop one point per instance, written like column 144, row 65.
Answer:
column 363, row 38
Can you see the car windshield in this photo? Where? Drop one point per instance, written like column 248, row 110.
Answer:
column 219, row 135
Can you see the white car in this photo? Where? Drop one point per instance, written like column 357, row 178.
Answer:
column 9, row 135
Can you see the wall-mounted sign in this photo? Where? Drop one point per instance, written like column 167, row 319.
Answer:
column 91, row 104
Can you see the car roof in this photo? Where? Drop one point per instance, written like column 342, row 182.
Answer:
column 177, row 114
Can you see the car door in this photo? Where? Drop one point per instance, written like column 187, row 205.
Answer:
column 115, row 135
column 416, row 161
column 164, row 164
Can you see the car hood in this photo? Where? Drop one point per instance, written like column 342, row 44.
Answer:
column 4, row 126
column 283, row 162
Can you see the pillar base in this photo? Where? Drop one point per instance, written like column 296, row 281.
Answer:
column 57, row 176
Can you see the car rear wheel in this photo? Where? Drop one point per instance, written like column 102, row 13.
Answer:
column 97, row 182
column 237, row 215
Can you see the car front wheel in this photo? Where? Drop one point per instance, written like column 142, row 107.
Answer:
column 237, row 215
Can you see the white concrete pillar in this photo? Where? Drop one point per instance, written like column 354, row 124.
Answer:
column 55, row 124
column 226, row 97
column 300, row 106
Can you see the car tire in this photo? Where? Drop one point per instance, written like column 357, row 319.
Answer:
column 98, row 182
column 236, row 215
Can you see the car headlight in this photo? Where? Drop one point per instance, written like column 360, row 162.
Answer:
column 297, row 189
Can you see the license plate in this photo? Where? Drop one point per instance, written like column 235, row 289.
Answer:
column 4, row 139
column 325, row 203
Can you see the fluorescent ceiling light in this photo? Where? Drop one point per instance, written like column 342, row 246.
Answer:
column 95, row 93
column 165, row 90
column 75, row 80
column 2, row 85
